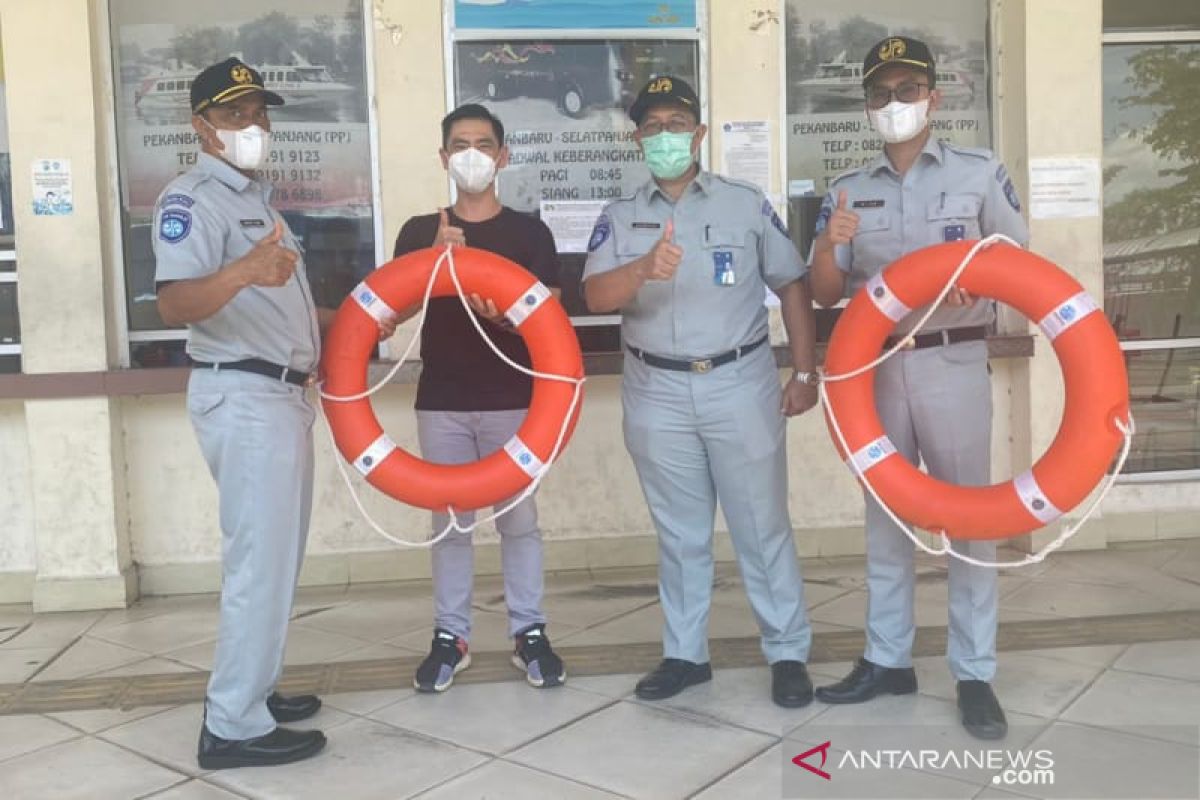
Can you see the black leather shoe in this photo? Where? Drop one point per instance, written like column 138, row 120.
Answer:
column 790, row 684
column 867, row 680
column 982, row 715
column 671, row 677
column 280, row 746
column 293, row 709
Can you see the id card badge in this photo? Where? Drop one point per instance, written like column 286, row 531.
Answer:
column 723, row 274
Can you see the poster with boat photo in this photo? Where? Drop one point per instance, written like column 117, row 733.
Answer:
column 574, row 14
column 311, row 52
column 308, row 51
column 564, row 105
column 828, row 130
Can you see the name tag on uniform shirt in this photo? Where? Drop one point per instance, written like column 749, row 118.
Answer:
column 253, row 223
column 867, row 204
column 647, row 225
column 954, row 233
column 723, row 274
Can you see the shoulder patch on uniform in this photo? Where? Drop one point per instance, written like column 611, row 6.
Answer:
column 174, row 225
column 1010, row 194
column 177, row 200
column 600, row 233
column 769, row 212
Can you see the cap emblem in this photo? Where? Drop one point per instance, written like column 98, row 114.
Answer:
column 892, row 48
column 659, row 86
column 241, row 74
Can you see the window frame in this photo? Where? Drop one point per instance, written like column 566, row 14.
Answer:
column 453, row 36
column 126, row 338
column 1154, row 37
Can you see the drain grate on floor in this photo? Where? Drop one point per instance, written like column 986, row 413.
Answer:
column 393, row 673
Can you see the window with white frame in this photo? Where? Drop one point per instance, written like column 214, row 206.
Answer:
column 1151, row 68
column 314, row 54
column 10, row 323
column 562, row 81
column 827, row 128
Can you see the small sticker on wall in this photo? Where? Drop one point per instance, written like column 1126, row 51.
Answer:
column 52, row 194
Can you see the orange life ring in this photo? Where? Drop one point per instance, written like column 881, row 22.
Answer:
column 401, row 283
column 1097, row 390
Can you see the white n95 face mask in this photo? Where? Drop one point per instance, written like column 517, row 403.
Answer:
column 898, row 122
column 472, row 170
column 245, row 149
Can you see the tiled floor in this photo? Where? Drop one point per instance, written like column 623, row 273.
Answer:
column 1101, row 709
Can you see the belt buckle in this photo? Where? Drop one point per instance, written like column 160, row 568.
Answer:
column 909, row 344
column 701, row 367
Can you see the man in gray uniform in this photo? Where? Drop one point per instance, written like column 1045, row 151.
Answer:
column 687, row 260
column 230, row 269
column 934, row 399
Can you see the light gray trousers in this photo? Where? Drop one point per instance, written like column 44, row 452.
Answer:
column 256, row 435
column 936, row 405
column 460, row 437
column 697, row 439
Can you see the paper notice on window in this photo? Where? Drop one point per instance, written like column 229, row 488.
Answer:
column 52, row 187
column 1061, row 188
column 571, row 222
column 746, row 152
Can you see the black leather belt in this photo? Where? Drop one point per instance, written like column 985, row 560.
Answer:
column 940, row 338
column 258, row 367
column 701, row 366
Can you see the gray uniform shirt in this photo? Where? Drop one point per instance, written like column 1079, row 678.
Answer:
column 208, row 217
column 949, row 193
column 734, row 247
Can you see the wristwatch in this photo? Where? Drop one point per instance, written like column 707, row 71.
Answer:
column 806, row 378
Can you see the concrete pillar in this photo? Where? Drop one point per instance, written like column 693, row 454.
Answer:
column 76, row 455
column 1061, row 43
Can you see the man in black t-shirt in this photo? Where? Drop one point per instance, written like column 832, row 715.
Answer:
column 470, row 403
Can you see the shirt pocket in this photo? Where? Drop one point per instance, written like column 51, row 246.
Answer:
column 634, row 246
column 873, row 221
column 953, row 217
column 725, row 262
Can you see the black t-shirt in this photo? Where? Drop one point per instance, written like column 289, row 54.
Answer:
column 459, row 371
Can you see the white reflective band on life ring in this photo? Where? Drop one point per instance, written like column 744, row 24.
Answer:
column 530, row 301
column 1067, row 314
column 1034, row 499
column 523, row 457
column 871, row 454
column 881, row 295
column 374, row 455
column 372, row 304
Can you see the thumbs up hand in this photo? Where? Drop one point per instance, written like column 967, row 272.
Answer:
column 448, row 234
column 268, row 263
column 843, row 223
column 666, row 256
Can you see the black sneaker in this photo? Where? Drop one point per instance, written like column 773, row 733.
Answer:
column 447, row 657
column 533, row 656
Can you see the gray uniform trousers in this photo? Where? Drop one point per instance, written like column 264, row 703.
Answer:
column 460, row 437
column 256, row 435
column 935, row 403
column 699, row 438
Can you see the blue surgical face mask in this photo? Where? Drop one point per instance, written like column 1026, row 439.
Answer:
column 668, row 155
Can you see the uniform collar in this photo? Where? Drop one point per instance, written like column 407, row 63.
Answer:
column 223, row 171
column 701, row 183
column 933, row 148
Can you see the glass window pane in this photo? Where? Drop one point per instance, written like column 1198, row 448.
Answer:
column 1152, row 190
column 10, row 324
column 1165, row 389
column 828, row 132
column 320, row 160
column 158, row 354
column 1159, row 15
